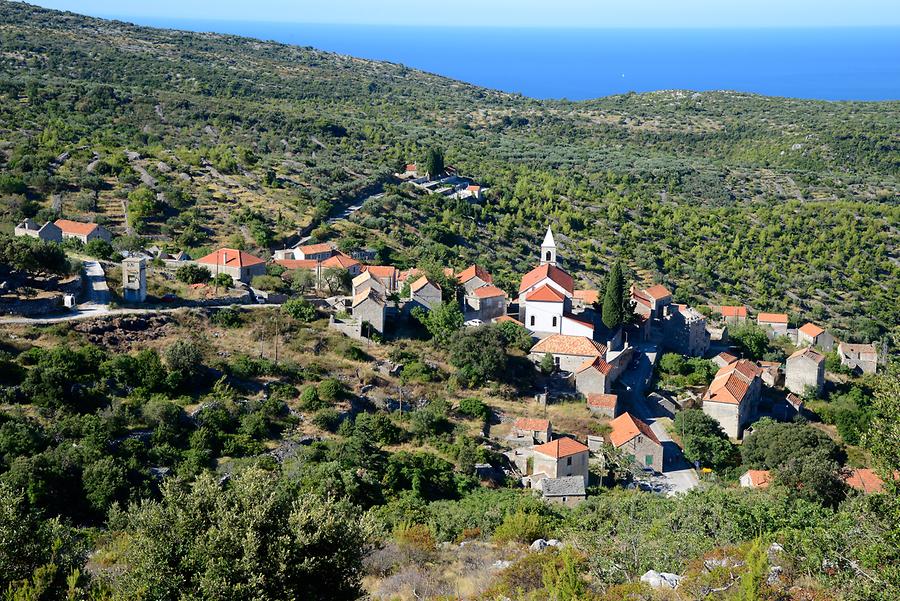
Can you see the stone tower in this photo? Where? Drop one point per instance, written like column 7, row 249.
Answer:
column 134, row 280
column 548, row 249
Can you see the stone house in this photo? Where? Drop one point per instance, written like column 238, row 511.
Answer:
column 651, row 301
column 82, row 231
column 569, row 352
column 240, row 265
column 49, row 232
column 568, row 490
column 485, row 303
column 369, row 307
column 775, row 324
column 723, row 359
column 308, row 252
column 473, row 277
column 859, row 357
column 593, row 376
column 603, row 404
column 366, row 281
column 756, row 479
column 637, row 440
column 805, row 369
column 424, row 293
column 342, row 261
column 770, row 372
column 733, row 395
column 684, row 330
column 560, row 458
column 536, row 431
column 386, row 274
column 812, row 335
column 731, row 314
column 584, row 299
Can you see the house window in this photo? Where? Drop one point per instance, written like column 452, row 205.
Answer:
column 568, row 461
column 554, row 321
column 532, row 321
column 648, row 460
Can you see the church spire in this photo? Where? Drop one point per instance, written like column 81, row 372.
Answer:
column 548, row 249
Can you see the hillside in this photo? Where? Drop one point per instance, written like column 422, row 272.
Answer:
column 781, row 204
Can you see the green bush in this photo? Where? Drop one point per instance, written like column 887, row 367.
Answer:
column 300, row 309
column 267, row 283
column 192, row 274
column 229, row 317
column 331, row 390
column 327, row 419
column 310, row 400
column 474, row 408
column 520, row 527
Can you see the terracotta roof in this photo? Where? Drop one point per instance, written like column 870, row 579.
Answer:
column 561, row 447
column 657, row 292
column 473, row 188
column 759, row 478
column 772, row 318
column 732, row 383
column 381, row 271
column 865, row 480
column 340, row 260
column 297, row 263
column 315, row 249
column 411, row 167
column 563, row 279
column 733, row 311
column 75, row 227
column 639, row 297
column 488, row 292
column 472, row 271
column 229, row 257
column 625, row 427
column 603, row 401
column 532, row 424
column 587, row 296
column 811, row 330
column 545, row 294
column 421, row 283
column 597, row 363
column 560, row 344
column 809, row 353
column 505, row 318
column 795, row 401
column 409, row 274
column 727, row 358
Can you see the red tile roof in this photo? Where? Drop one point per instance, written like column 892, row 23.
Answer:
column 625, row 427
column 602, row 401
column 546, row 294
column 733, row 311
column 809, row 354
column 597, row 363
column 505, row 318
column 381, row 271
column 811, row 330
column 560, row 344
column 473, row 188
column 759, row 478
column 315, row 249
column 587, row 296
column 488, row 292
column 474, row 271
column 411, row 167
column 865, row 480
column 561, row 447
column 340, row 260
column 639, row 297
column 229, row 257
column 75, row 227
column 727, row 358
column 297, row 263
column 563, row 279
column 421, row 283
column 772, row 318
column 732, row 383
column 532, row 424
column 657, row 292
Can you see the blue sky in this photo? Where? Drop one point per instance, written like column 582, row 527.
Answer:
column 555, row 13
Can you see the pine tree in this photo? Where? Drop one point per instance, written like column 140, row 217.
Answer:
column 613, row 313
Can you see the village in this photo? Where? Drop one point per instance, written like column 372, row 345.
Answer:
column 610, row 366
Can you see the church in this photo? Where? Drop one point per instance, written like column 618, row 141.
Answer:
column 545, row 298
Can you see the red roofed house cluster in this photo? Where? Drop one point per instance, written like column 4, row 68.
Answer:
column 733, row 396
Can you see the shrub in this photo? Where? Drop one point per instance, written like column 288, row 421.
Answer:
column 331, row 390
column 100, row 249
column 267, row 283
column 520, row 527
column 223, row 280
column 327, row 419
column 310, row 401
column 192, row 274
column 229, row 317
column 300, row 309
column 474, row 408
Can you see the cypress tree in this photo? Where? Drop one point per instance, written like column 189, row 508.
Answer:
column 613, row 312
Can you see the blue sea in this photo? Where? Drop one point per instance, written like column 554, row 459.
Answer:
column 826, row 63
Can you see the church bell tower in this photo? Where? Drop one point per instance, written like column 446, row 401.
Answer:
column 548, row 249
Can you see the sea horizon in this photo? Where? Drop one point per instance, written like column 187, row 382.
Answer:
column 574, row 63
